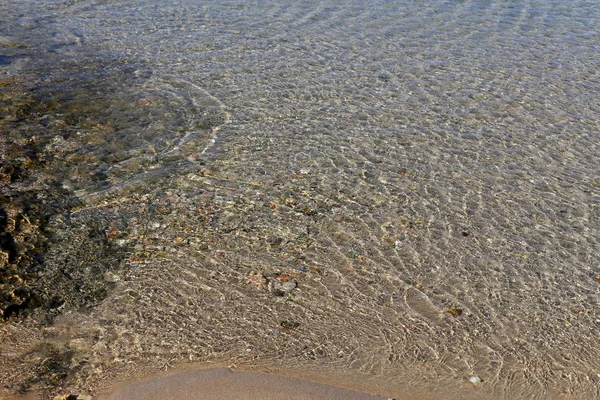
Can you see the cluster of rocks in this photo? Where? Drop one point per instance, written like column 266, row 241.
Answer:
column 32, row 194
column 278, row 285
column 20, row 251
column 21, row 239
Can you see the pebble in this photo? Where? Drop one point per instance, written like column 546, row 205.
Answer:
column 279, row 288
column 301, row 267
column 111, row 277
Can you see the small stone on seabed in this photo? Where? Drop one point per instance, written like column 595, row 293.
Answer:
column 280, row 286
column 301, row 267
column 111, row 278
column 256, row 279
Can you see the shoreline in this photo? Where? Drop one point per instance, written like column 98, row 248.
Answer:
column 225, row 383
column 219, row 382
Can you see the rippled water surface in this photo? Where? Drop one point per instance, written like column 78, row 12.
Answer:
column 402, row 193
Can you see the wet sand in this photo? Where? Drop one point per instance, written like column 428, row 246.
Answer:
column 222, row 383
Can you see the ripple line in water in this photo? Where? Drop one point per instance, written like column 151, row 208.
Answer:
column 178, row 123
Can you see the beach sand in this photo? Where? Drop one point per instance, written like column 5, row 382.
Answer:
column 223, row 383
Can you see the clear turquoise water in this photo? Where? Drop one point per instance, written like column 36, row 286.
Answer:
column 408, row 161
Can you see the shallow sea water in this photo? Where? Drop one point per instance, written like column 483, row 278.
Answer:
column 402, row 193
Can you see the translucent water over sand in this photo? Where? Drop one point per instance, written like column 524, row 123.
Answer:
column 404, row 193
